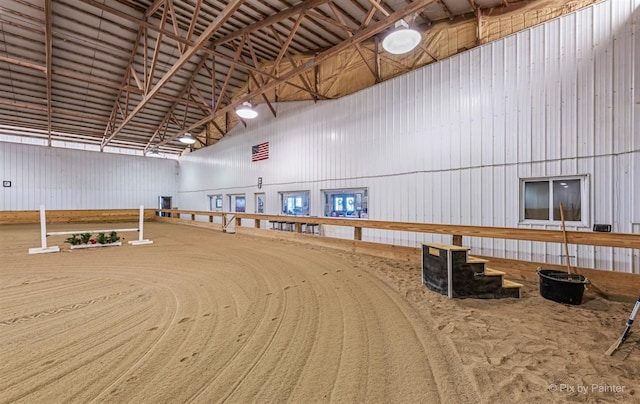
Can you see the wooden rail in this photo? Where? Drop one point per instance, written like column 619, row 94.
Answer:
column 611, row 282
column 614, row 284
column 623, row 240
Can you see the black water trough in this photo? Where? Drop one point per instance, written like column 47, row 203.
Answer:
column 561, row 286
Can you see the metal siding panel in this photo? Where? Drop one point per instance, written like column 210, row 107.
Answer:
column 472, row 124
column 603, row 84
column 623, row 77
column 495, row 123
column 482, row 137
column 538, row 110
column 455, row 198
column 507, row 128
column 552, row 83
column 486, row 201
column 523, row 131
column 512, row 206
column 568, row 134
column 76, row 179
column 585, row 82
column 467, row 198
column 452, row 145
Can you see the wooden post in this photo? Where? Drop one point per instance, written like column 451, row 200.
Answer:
column 298, row 227
column 256, row 223
column 238, row 221
column 457, row 240
column 357, row 233
column 210, row 218
column 193, row 216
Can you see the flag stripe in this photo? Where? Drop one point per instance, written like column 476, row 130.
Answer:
column 260, row 152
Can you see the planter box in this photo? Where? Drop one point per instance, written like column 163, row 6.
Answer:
column 73, row 247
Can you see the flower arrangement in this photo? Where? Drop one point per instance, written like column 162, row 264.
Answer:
column 85, row 238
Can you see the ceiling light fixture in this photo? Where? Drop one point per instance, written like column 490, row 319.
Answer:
column 402, row 39
column 187, row 138
column 246, row 111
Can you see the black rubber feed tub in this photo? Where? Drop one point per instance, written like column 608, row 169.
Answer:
column 562, row 287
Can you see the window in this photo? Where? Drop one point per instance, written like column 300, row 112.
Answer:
column 295, row 203
column 541, row 199
column 215, row 203
column 346, row 203
column 260, row 203
column 240, row 203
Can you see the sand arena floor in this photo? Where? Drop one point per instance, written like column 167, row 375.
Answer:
column 202, row 316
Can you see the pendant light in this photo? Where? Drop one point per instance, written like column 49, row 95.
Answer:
column 187, row 138
column 402, row 39
column 246, row 111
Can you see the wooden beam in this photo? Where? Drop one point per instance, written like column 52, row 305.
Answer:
column 194, row 19
column 623, row 240
column 177, row 102
column 23, row 63
column 271, row 20
column 613, row 283
column 360, row 36
column 446, row 9
column 156, row 53
column 153, row 8
column 373, row 69
column 174, row 23
column 285, row 47
column 48, row 32
column 264, row 73
column 376, row 5
column 220, row 19
column 318, row 16
column 227, row 79
column 124, row 84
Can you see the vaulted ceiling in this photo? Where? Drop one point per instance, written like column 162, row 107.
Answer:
column 138, row 74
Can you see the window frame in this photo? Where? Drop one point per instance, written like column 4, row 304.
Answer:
column 345, row 193
column 585, row 197
column 304, row 196
column 213, row 202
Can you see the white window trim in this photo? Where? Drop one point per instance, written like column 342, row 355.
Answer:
column 324, row 192
column 585, row 197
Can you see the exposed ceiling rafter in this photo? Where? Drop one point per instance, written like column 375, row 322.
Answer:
column 138, row 73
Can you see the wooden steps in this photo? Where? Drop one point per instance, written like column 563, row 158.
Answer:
column 465, row 275
column 476, row 260
column 493, row 272
column 510, row 284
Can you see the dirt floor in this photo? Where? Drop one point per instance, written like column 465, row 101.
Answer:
column 203, row 316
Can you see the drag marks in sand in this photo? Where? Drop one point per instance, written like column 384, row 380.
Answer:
column 218, row 318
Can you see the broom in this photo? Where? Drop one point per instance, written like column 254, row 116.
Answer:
column 566, row 252
column 626, row 332
column 566, row 243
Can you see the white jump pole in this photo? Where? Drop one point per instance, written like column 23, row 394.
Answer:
column 141, row 240
column 43, row 236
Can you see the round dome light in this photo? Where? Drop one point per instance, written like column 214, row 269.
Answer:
column 402, row 40
column 246, row 111
column 187, row 138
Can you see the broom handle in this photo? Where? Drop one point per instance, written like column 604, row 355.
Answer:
column 630, row 321
column 566, row 243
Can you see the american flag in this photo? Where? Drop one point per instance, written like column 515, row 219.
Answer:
column 260, row 152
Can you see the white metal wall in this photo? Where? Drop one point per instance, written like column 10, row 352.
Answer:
column 76, row 179
column 449, row 143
